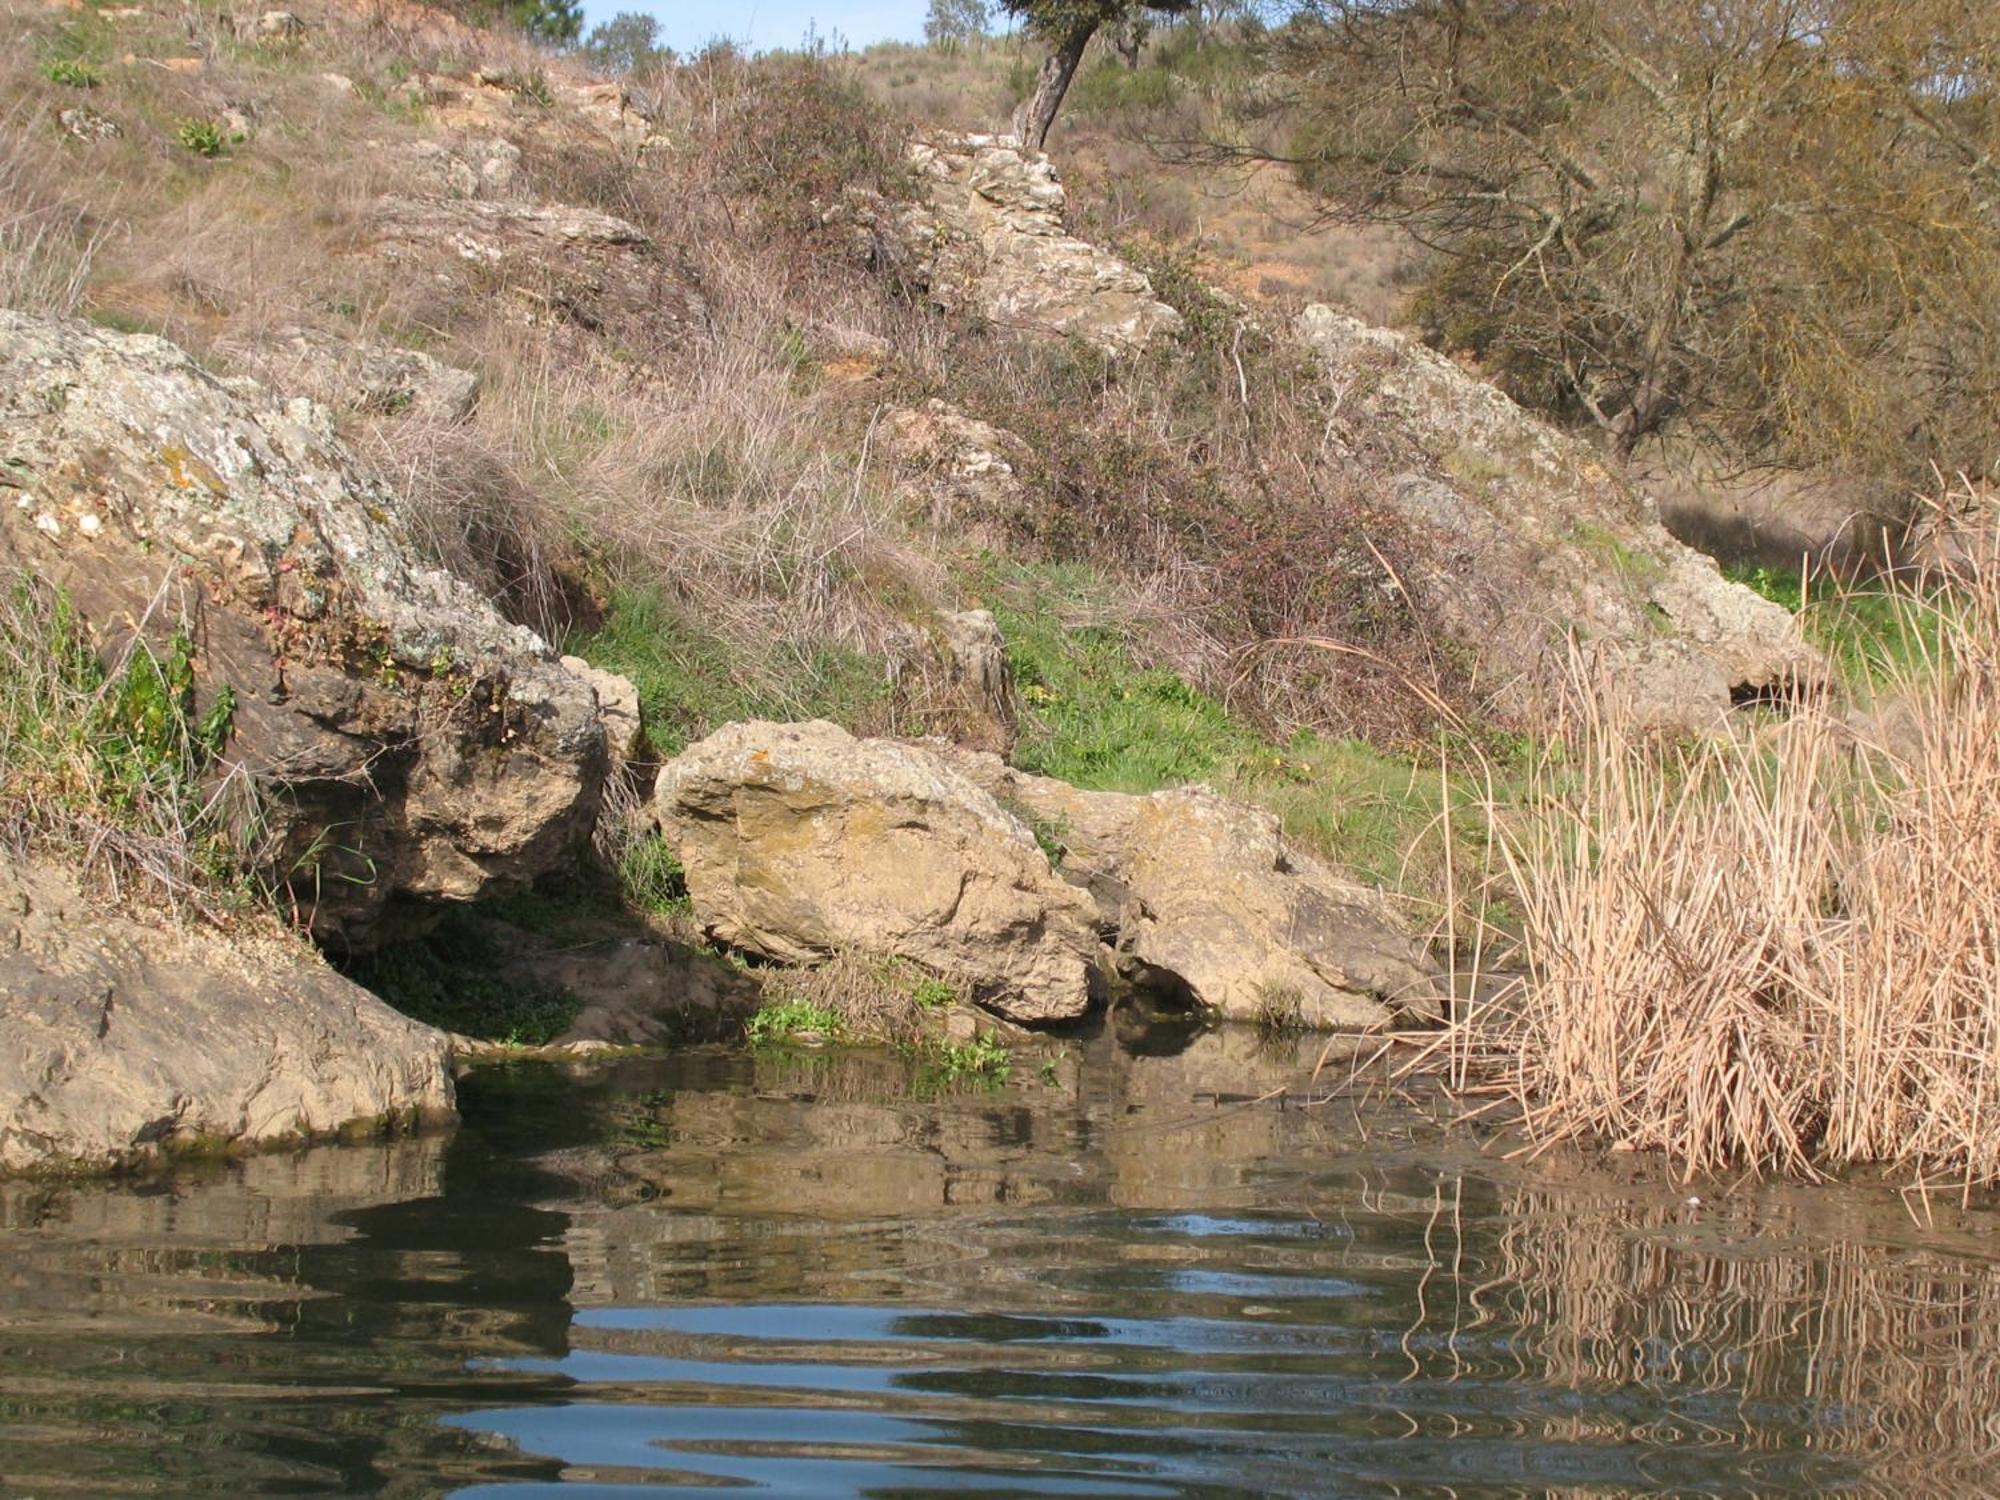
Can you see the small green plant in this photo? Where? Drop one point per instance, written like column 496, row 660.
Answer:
column 72, row 72
column 651, row 878
column 933, row 994
column 202, row 137
column 453, row 978
column 794, row 1021
column 982, row 1062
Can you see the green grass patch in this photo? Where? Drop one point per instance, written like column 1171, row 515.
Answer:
column 690, row 680
column 1869, row 633
column 115, row 751
column 1098, row 719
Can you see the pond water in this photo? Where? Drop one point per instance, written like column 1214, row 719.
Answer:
column 1130, row 1275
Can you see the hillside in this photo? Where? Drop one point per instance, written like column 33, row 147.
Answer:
column 417, row 442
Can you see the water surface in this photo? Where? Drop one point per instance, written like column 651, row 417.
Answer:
column 815, row 1275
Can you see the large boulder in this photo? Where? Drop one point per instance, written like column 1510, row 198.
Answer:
column 410, row 741
column 1531, row 542
column 800, row 841
column 125, row 1038
column 1259, row 931
column 988, row 237
column 1204, row 897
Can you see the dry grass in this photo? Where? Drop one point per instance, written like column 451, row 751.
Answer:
column 1777, row 947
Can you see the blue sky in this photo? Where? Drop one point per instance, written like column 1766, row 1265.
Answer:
column 686, row 25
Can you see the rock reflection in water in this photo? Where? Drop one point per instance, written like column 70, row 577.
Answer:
column 1140, row 1275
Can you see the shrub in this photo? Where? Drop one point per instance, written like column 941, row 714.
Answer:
column 72, row 72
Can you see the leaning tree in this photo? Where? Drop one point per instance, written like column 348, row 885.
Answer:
column 1066, row 27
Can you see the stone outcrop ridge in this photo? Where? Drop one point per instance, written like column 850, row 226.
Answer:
column 125, row 1039
column 989, row 238
column 1532, row 541
column 800, row 840
column 416, row 743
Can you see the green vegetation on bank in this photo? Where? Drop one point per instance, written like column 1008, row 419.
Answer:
column 107, row 754
column 454, row 977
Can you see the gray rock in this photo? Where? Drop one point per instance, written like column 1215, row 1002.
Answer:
column 800, row 841
column 989, row 237
column 124, row 1038
column 414, row 743
column 1529, row 541
column 562, row 264
column 362, row 376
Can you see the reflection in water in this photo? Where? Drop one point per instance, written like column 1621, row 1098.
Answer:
column 1137, row 1277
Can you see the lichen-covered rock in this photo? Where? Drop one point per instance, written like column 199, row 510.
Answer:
column 1203, row 896
column 561, row 264
column 617, row 706
column 800, row 841
column 361, row 376
column 413, row 743
column 963, row 472
column 124, row 1038
column 1530, row 542
column 989, row 237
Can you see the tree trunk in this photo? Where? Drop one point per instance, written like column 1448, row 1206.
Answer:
column 1038, row 111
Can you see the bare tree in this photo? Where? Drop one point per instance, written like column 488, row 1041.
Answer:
column 1776, row 215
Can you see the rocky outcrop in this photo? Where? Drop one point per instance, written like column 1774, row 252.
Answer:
column 800, row 841
column 1203, row 897
column 961, row 472
column 988, row 237
column 617, row 706
column 361, row 376
column 560, row 264
column 410, row 741
column 125, row 1039
column 1529, row 542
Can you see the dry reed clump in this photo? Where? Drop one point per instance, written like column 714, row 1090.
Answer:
column 1777, row 947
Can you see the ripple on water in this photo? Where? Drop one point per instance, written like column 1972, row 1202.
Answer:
column 784, row 1275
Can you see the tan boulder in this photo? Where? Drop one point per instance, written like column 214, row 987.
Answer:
column 1257, row 931
column 126, row 1037
column 800, row 840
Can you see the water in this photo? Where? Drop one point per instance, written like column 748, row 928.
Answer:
column 791, row 1275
